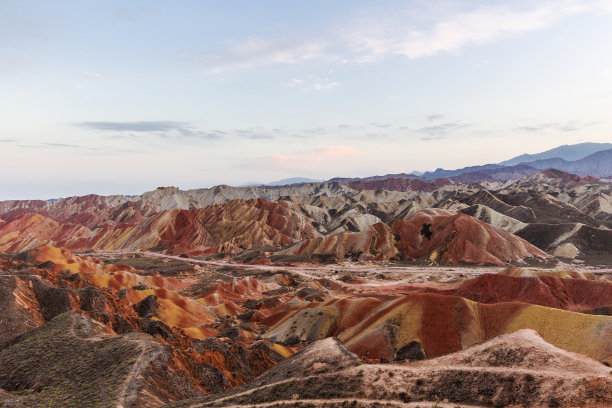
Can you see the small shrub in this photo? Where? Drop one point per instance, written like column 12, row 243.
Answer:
column 404, row 396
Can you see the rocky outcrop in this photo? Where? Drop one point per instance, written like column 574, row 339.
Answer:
column 445, row 237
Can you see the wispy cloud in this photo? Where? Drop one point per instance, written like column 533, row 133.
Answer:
column 92, row 74
column 312, row 84
column 377, row 38
column 143, row 126
column 440, row 131
column 436, row 117
column 166, row 129
column 7, row 140
column 177, row 129
column 571, row 126
column 404, row 32
column 71, row 146
column 254, row 133
column 259, row 52
column 430, row 138
column 55, row 145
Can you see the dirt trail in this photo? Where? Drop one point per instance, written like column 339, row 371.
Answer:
column 340, row 401
column 126, row 390
column 419, row 371
column 129, row 389
column 315, row 272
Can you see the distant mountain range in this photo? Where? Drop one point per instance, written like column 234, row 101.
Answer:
column 583, row 159
column 598, row 164
column 565, row 152
column 283, row 182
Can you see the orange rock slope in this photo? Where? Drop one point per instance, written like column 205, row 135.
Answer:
column 54, row 281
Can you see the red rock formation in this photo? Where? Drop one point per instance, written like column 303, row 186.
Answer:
column 551, row 291
column 229, row 227
column 445, row 237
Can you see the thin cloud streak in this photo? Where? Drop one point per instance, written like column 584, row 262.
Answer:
column 93, row 74
column 164, row 129
column 363, row 40
column 260, row 52
column 571, row 126
column 442, row 129
column 433, row 118
column 312, row 84
column 143, row 126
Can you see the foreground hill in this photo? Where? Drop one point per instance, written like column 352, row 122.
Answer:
column 518, row 369
column 74, row 361
column 168, row 330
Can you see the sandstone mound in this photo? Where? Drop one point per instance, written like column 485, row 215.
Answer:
column 497, row 220
column 374, row 244
column 319, row 356
column 445, row 237
column 524, row 349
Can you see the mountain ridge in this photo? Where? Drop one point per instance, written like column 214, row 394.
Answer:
column 567, row 152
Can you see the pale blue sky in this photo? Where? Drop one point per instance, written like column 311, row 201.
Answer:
column 121, row 97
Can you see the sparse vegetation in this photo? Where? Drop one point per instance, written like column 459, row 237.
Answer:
column 50, row 367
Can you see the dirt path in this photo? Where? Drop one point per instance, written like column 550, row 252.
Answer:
column 340, row 401
column 315, row 272
column 141, row 363
column 422, row 370
column 129, row 389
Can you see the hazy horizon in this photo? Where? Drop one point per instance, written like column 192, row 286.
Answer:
column 119, row 98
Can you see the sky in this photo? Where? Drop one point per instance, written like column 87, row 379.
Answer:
column 119, row 97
